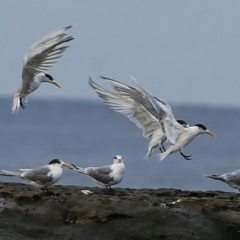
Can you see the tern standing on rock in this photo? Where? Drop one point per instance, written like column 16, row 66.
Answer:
column 42, row 176
column 41, row 56
column 106, row 175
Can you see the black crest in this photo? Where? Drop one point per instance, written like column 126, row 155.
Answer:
column 182, row 122
column 54, row 161
column 49, row 76
column 201, row 126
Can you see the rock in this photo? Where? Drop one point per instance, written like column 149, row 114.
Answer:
column 69, row 213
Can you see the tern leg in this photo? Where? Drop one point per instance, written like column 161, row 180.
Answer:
column 21, row 104
column 162, row 148
column 47, row 192
column 45, row 189
column 109, row 189
column 187, row 157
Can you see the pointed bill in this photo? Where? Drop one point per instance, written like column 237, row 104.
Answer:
column 56, row 84
column 210, row 133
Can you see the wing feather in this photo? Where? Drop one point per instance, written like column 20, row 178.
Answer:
column 39, row 175
column 166, row 118
column 44, row 53
column 136, row 112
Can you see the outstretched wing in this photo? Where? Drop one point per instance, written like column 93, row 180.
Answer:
column 44, row 53
column 136, row 112
column 166, row 117
column 133, row 93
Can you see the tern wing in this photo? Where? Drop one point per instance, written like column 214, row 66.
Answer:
column 40, row 175
column 136, row 95
column 44, row 53
column 169, row 124
column 101, row 174
column 132, row 109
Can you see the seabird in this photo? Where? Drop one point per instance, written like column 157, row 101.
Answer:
column 138, row 108
column 40, row 57
column 42, row 176
column 177, row 135
column 106, row 175
column 232, row 178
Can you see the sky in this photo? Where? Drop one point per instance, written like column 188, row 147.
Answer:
column 185, row 52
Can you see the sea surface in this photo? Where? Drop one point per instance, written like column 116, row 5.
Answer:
column 91, row 134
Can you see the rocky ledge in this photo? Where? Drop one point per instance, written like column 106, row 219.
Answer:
column 69, row 213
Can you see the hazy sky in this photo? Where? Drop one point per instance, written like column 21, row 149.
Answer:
column 182, row 51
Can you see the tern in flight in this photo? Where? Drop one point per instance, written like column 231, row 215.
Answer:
column 138, row 108
column 177, row 133
column 40, row 57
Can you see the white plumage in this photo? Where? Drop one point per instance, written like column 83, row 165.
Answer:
column 42, row 176
column 106, row 175
column 232, row 178
column 177, row 134
column 153, row 115
column 137, row 106
column 40, row 57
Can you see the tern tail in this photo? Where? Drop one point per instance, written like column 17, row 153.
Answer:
column 10, row 174
column 163, row 155
column 149, row 153
column 15, row 103
column 78, row 169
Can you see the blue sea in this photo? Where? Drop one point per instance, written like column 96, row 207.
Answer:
column 91, row 134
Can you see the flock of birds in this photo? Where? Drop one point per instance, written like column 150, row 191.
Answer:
column 153, row 115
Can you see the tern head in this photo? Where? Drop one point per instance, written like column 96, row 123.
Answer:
column 118, row 159
column 55, row 162
column 48, row 78
column 203, row 129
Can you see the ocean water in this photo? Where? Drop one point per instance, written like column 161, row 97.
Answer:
column 91, row 134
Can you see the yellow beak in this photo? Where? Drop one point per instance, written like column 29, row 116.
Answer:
column 66, row 165
column 211, row 134
column 56, row 84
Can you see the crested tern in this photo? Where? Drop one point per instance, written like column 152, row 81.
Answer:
column 138, row 108
column 42, row 176
column 232, row 178
column 106, row 175
column 177, row 135
column 41, row 56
